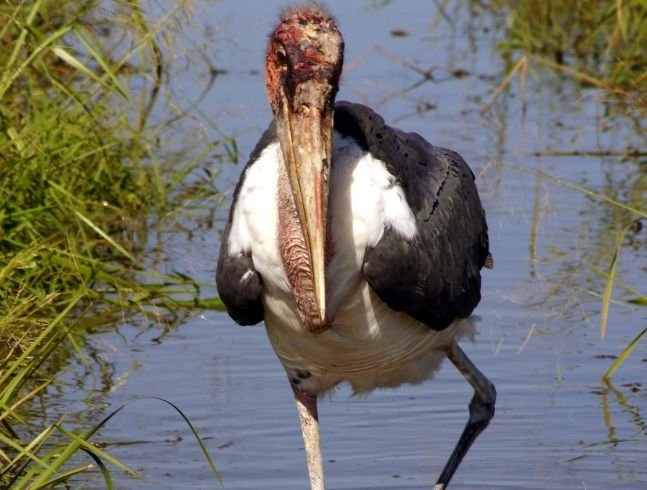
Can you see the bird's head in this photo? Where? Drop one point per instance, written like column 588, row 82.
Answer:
column 303, row 65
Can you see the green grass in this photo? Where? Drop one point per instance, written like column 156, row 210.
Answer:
column 84, row 175
column 606, row 39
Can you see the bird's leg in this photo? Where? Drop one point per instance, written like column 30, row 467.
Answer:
column 481, row 411
column 307, row 408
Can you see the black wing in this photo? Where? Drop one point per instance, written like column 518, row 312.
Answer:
column 435, row 277
column 243, row 298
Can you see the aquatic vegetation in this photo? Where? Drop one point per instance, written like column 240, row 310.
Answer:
column 600, row 44
column 84, row 178
column 597, row 41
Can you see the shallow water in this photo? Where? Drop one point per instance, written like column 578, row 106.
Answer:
column 539, row 336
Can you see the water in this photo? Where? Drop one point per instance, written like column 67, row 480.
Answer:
column 539, row 337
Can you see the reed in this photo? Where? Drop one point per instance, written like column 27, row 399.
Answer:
column 596, row 41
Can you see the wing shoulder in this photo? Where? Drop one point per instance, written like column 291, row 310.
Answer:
column 436, row 276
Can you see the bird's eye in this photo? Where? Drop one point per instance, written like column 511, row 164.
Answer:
column 281, row 57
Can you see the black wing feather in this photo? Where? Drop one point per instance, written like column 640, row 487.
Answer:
column 243, row 299
column 435, row 277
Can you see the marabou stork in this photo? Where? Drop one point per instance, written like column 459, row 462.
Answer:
column 358, row 244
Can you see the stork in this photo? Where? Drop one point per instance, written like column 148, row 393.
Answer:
column 359, row 245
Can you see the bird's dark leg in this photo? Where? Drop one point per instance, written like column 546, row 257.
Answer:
column 309, row 419
column 481, row 411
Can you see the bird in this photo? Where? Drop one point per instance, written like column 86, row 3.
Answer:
column 360, row 246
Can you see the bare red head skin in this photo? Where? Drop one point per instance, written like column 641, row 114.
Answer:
column 303, row 65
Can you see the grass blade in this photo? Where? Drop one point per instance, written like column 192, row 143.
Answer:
column 595, row 195
column 521, row 63
column 9, row 373
column 62, row 477
column 85, row 445
column 107, row 479
column 606, row 296
column 81, row 442
column 10, row 410
column 197, row 437
column 63, row 456
column 74, row 62
column 107, row 238
column 623, row 356
column 103, row 63
column 20, row 41
column 608, row 286
column 21, row 452
column 9, row 78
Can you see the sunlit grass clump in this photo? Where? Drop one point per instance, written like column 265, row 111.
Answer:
column 80, row 176
column 600, row 42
